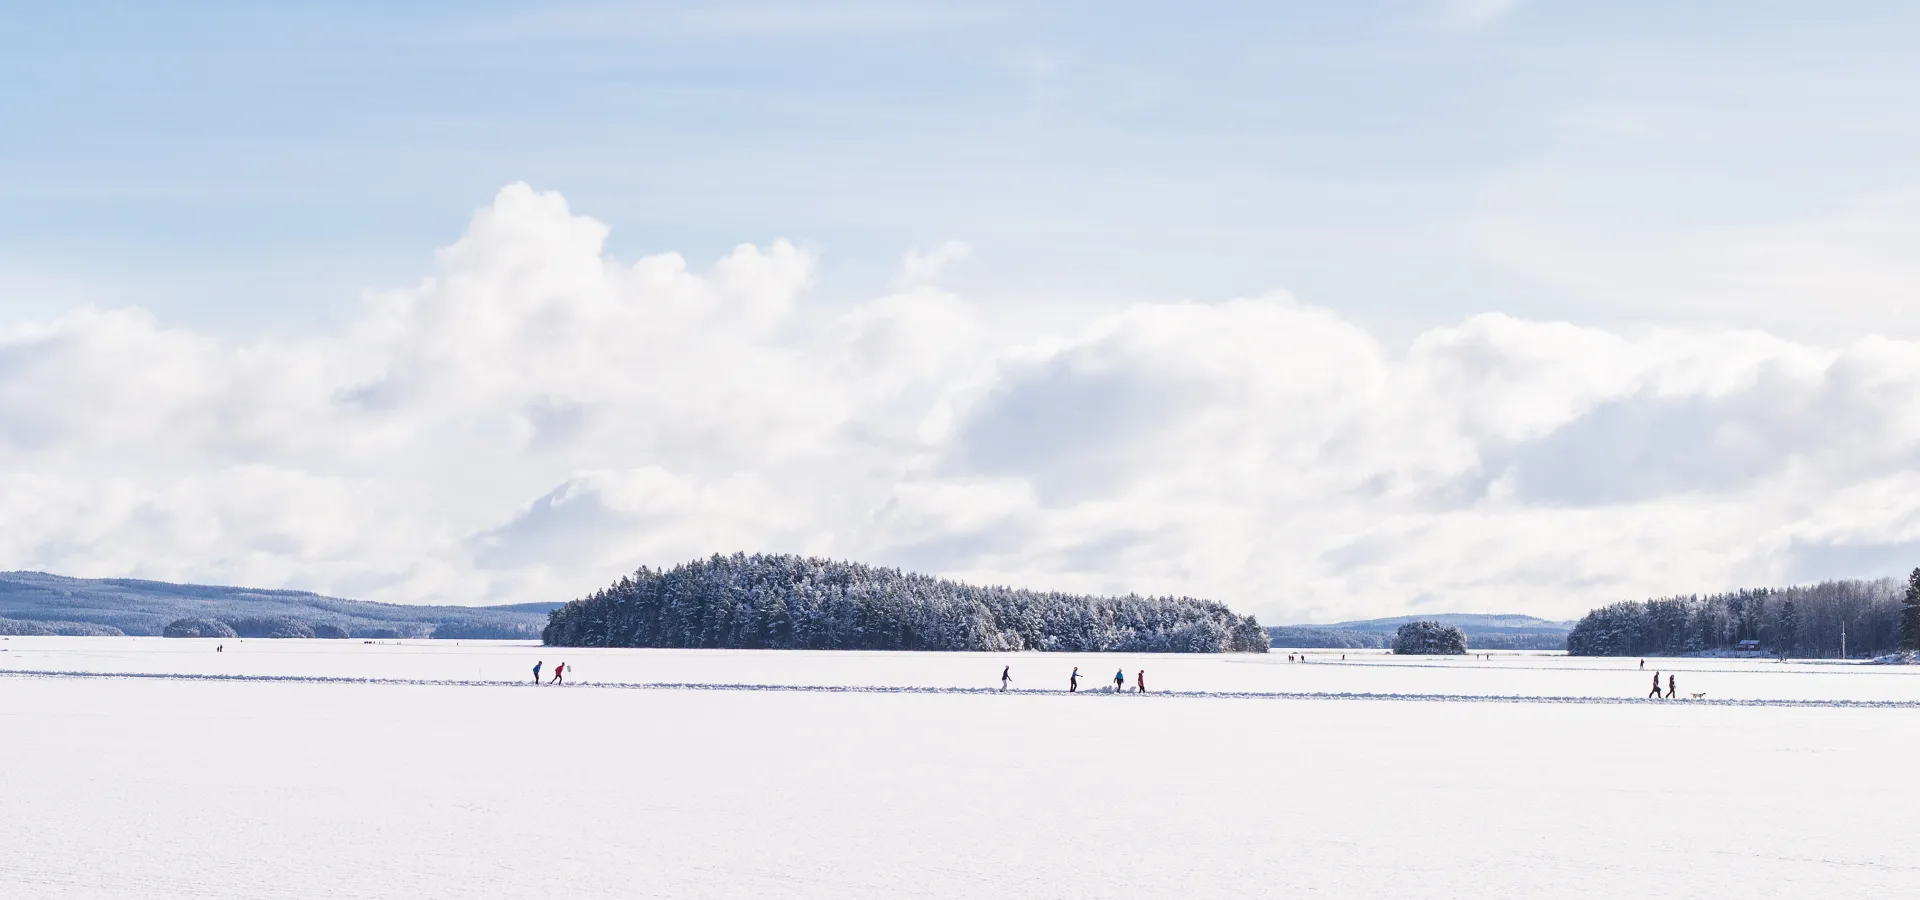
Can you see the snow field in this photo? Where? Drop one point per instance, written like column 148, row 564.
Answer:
column 185, row 789
column 1506, row 674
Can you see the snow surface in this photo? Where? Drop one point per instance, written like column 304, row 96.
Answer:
column 416, row 776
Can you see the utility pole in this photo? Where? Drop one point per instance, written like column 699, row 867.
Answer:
column 1843, row 640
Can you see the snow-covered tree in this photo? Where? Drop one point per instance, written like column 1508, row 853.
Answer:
column 791, row 602
column 1788, row 638
column 198, row 628
column 1429, row 637
column 1910, row 614
column 1871, row 612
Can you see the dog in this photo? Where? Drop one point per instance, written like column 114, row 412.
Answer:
column 1700, row 696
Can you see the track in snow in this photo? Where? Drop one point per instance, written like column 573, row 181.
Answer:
column 884, row 689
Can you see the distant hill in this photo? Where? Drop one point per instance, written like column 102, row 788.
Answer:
column 39, row 603
column 1485, row 631
column 541, row 608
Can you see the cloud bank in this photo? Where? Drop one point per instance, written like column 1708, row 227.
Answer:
column 535, row 417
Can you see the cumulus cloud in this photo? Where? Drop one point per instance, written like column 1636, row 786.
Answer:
column 535, row 417
column 921, row 266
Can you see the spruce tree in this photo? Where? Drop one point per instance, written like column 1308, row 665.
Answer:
column 1789, row 629
column 1910, row 615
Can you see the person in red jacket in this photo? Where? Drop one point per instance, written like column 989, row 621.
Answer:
column 559, row 671
column 1140, row 682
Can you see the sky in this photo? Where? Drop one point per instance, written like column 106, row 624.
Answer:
column 1321, row 310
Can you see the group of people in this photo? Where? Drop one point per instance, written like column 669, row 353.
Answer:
column 1073, row 680
column 1655, row 693
column 559, row 672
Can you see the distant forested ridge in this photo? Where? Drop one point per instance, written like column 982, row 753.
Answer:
column 1803, row 621
column 1486, row 631
column 35, row 603
column 790, row 602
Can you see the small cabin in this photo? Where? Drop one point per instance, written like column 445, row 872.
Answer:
column 1747, row 646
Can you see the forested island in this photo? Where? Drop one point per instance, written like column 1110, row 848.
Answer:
column 799, row 603
column 1805, row 621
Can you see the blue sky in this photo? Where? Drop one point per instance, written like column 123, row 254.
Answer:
column 255, row 165
column 1322, row 309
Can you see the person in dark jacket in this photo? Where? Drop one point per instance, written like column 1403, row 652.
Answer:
column 1073, row 681
column 1656, row 687
column 1006, row 678
column 1670, row 687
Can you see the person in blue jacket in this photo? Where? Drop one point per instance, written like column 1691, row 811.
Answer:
column 536, row 671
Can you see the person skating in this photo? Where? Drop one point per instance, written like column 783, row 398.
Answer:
column 1140, row 682
column 1656, row 687
column 1670, row 688
column 559, row 672
column 1006, row 678
column 1119, row 680
column 1073, row 681
column 536, row 671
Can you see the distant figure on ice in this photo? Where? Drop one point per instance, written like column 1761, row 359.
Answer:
column 220, row 648
column 1670, row 687
column 1073, row 681
column 1643, row 665
column 536, row 671
column 1140, row 682
column 1006, row 678
column 559, row 672
column 1656, row 686
column 1119, row 680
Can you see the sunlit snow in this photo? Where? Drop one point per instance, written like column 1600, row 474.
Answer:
column 342, row 769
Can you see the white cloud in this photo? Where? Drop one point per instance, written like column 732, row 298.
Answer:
column 535, row 417
column 919, row 267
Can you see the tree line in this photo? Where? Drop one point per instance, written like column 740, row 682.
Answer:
column 293, row 627
column 1310, row 638
column 1807, row 621
column 802, row 603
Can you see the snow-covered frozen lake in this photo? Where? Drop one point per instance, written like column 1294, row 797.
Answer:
column 340, row 769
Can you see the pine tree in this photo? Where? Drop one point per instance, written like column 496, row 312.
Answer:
column 1789, row 629
column 804, row 603
column 1910, row 614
